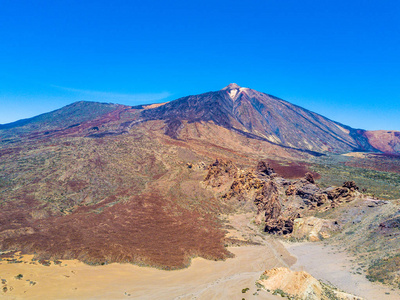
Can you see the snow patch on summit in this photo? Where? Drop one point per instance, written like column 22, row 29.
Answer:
column 233, row 93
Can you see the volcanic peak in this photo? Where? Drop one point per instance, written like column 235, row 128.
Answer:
column 231, row 86
column 233, row 90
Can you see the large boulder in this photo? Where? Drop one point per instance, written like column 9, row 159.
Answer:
column 264, row 168
column 314, row 229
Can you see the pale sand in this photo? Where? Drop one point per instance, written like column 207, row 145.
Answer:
column 204, row 279
column 333, row 266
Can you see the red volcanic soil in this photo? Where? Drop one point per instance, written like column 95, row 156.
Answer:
column 385, row 141
column 148, row 229
column 291, row 170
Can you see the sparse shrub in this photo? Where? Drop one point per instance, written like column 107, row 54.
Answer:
column 280, row 292
column 44, row 262
column 264, row 277
column 384, row 270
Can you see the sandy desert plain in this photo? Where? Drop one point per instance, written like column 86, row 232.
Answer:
column 203, row 279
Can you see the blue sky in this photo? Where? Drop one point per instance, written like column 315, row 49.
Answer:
column 338, row 58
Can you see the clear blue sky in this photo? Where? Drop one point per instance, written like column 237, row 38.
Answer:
column 338, row 58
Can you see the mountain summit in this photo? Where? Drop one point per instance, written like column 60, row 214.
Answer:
column 231, row 86
column 258, row 115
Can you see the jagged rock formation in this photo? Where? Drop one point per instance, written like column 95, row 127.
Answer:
column 314, row 197
column 345, row 193
column 269, row 204
column 278, row 202
column 218, row 170
column 309, row 177
column 244, row 182
column 264, row 168
column 391, row 223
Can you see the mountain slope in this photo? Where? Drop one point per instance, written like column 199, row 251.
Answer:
column 250, row 113
column 385, row 141
column 259, row 115
column 69, row 115
column 66, row 120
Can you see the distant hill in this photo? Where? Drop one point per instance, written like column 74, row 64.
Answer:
column 385, row 141
column 68, row 116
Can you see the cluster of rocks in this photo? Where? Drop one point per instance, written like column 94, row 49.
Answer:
column 391, row 223
column 199, row 166
column 218, row 171
column 313, row 196
column 278, row 201
column 271, row 211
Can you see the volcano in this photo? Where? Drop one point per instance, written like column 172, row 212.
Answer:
column 105, row 182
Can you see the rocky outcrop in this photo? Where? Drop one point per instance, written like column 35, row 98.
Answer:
column 347, row 192
column 314, row 197
column 390, row 223
column 197, row 166
column 219, row 171
column 309, row 177
column 270, row 210
column 263, row 168
column 389, row 226
column 280, row 202
column 299, row 285
column 308, row 191
column 244, row 182
column 314, row 229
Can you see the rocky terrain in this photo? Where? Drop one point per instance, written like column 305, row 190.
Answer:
column 148, row 184
column 277, row 201
column 301, row 210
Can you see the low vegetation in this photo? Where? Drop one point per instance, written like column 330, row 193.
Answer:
column 385, row 271
column 335, row 169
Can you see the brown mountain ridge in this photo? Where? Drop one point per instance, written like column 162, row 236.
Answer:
column 260, row 116
column 250, row 113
